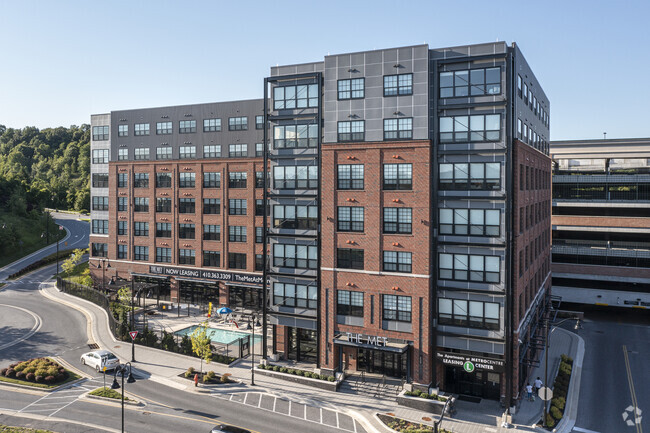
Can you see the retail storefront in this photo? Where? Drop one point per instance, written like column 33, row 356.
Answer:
column 303, row 345
column 472, row 375
column 198, row 292
column 151, row 287
column 373, row 354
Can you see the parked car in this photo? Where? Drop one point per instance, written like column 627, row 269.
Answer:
column 97, row 359
column 225, row 428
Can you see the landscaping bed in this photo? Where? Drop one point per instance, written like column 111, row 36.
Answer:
column 403, row 426
column 296, row 375
column 208, row 378
column 108, row 393
column 560, row 388
column 417, row 399
column 8, row 429
column 37, row 372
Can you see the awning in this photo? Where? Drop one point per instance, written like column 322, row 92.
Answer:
column 250, row 286
column 390, row 346
column 157, row 277
column 194, row 280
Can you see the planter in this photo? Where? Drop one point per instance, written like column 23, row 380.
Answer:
column 422, row 404
column 316, row 383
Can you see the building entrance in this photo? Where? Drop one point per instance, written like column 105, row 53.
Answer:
column 478, row 383
column 302, row 345
column 381, row 362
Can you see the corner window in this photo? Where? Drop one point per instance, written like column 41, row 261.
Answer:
column 470, row 128
column 291, row 97
column 472, row 82
column 474, row 314
column 293, row 136
column 472, row 222
column 463, row 267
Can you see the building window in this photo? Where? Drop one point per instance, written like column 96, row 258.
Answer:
column 140, row 253
column 122, row 130
column 163, row 180
column 163, row 255
column 259, row 179
column 398, row 177
column 122, row 251
column 259, row 207
column 211, row 258
column 395, row 261
column 141, row 153
column 349, row 303
column 212, row 180
column 259, row 235
column 100, row 227
column 237, row 179
column 463, row 267
column 122, row 227
column 259, row 149
column 295, row 136
column 398, row 129
column 292, row 177
column 397, row 220
column 100, row 180
column 187, row 180
column 350, row 176
column 473, row 82
column 295, row 295
column 100, row 156
column 122, row 154
column 164, row 128
column 237, row 123
column 100, row 203
column 290, row 97
column 350, row 219
column 481, row 127
column 141, row 129
column 237, row 234
column 187, row 152
column 519, row 81
column 211, row 206
column 140, row 180
column 211, row 125
column 236, row 206
column 186, row 231
column 259, row 262
column 472, row 222
column 472, row 314
column 122, row 204
column 100, row 133
column 141, row 204
column 140, row 229
column 236, row 261
column 295, row 256
column 163, row 230
column 186, row 205
column 122, row 180
column 212, row 151
column 163, row 152
column 186, row 257
column 211, row 232
column 351, row 131
column 186, row 126
column 237, row 150
column 259, row 122
column 347, row 258
column 476, row 176
column 99, row 250
column 352, row 88
column 295, row 217
column 401, row 84
column 396, row 308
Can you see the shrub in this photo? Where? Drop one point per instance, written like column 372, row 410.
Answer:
column 60, row 377
column 38, row 378
column 30, row 369
column 20, row 375
column 323, row 377
column 30, row 377
column 261, row 366
column 19, row 367
column 52, row 371
column 10, row 372
column 14, row 365
column 3, row 371
column 331, row 378
column 189, row 372
column 276, row 368
column 291, row 371
column 49, row 379
column 225, row 378
column 566, row 359
column 41, row 372
column 559, row 402
column 556, row 413
column 283, row 369
column 550, row 421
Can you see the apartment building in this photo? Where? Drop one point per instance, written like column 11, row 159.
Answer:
column 601, row 223
column 408, row 204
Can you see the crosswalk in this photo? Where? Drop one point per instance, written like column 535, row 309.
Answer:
column 50, row 404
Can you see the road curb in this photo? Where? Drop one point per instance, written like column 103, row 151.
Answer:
column 16, row 414
column 67, row 236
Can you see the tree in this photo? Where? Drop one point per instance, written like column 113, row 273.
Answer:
column 69, row 264
column 124, row 295
column 201, row 343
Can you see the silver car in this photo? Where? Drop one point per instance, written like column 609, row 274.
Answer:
column 98, row 359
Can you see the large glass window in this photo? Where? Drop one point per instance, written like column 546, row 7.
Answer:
column 401, row 84
column 211, row 125
column 396, row 261
column 295, row 217
column 295, row 256
column 350, row 219
column 473, row 314
column 187, row 205
column 100, row 133
column 211, row 232
column 398, row 129
column 463, row 267
column 473, row 82
column 164, row 128
column 212, row 180
column 349, row 303
column 141, row 129
column 186, row 126
column 186, row 256
column 470, row 128
column 163, row 255
column 237, row 234
column 473, row 222
column 212, row 151
column 351, row 131
column 163, row 180
column 398, row 177
column 211, row 258
column 237, row 123
column 237, row 179
column 140, row 180
column 237, row 206
column 163, row 230
column 352, row 88
column 348, row 258
column 186, row 231
column 295, row 295
column 292, row 177
column 350, row 176
column 396, row 308
column 295, row 136
column 398, row 220
column 477, row 176
column 290, row 97
column 187, row 180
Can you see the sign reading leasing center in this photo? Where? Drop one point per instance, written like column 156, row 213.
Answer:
column 471, row 363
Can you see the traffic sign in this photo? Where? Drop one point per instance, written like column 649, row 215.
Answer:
column 60, row 227
column 104, row 369
column 133, row 334
column 545, row 393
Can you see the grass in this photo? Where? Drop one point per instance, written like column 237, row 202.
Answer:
column 47, row 260
column 76, row 275
column 108, row 393
column 9, row 429
column 28, row 230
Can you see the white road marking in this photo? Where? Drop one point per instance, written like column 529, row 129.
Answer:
column 37, row 325
column 583, row 430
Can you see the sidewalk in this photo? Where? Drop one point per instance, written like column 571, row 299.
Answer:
column 165, row 367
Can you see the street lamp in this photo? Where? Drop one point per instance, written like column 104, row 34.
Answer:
column 132, row 319
column 122, row 370
column 253, row 353
column 107, row 265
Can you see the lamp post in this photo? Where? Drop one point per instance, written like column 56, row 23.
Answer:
column 253, row 353
column 122, row 370
column 132, row 319
column 107, row 265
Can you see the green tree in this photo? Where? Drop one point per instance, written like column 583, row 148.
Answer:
column 124, row 295
column 201, row 343
column 69, row 264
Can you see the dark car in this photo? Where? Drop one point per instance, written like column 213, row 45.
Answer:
column 225, row 428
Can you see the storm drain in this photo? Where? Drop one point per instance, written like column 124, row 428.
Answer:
column 93, row 346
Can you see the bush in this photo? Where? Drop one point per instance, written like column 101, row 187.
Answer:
column 559, row 402
column 276, row 368
column 29, row 369
column 225, row 378
column 331, row 378
column 60, row 377
column 566, row 359
column 39, row 378
column 20, row 375
column 550, row 421
column 283, row 369
column 261, row 366
column 49, row 379
column 556, row 413
column 10, row 372
column 323, row 377
column 30, row 377
column 291, row 370
column 189, row 372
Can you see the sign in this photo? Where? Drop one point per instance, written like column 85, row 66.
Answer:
column 104, row 369
column 234, row 277
column 60, row 227
column 545, row 393
column 471, row 363
column 133, row 334
column 367, row 339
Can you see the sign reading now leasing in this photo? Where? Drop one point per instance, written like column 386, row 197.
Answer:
column 471, row 363
column 234, row 277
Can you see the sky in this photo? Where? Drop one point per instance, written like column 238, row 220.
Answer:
column 61, row 61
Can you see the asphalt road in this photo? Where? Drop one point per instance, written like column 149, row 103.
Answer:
column 32, row 325
column 615, row 370
column 77, row 237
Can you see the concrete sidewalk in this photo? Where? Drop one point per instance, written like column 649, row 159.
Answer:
column 165, row 367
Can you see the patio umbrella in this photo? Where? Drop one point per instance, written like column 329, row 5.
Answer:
column 224, row 310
